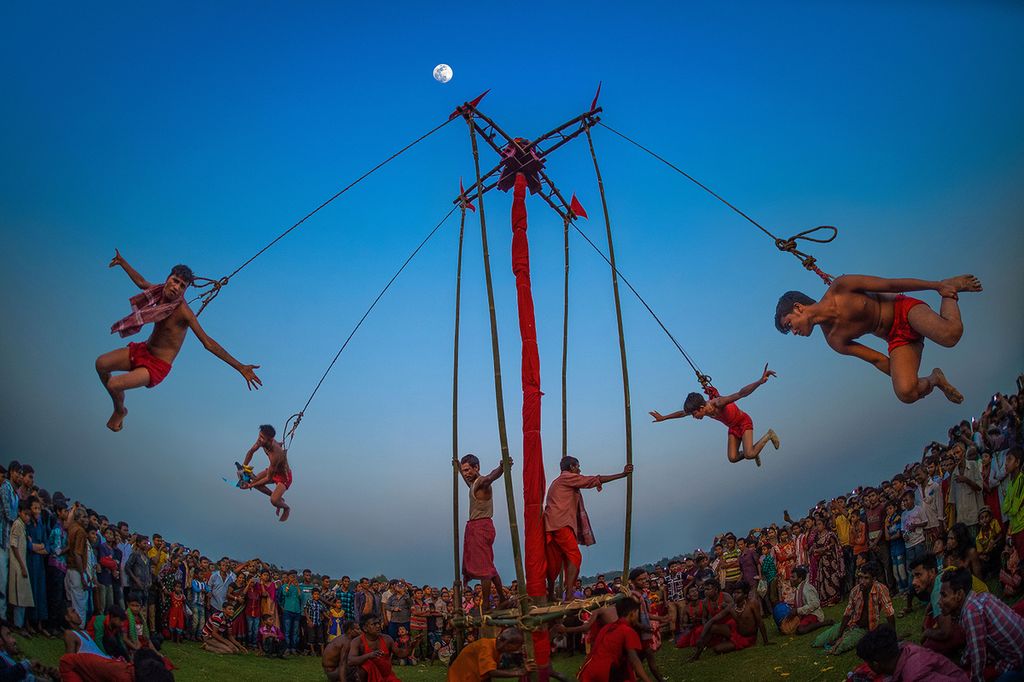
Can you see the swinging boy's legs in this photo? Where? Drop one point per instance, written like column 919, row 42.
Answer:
column 751, row 450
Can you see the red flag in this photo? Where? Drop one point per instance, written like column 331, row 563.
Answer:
column 469, row 105
column 576, row 208
column 593, row 105
column 464, row 199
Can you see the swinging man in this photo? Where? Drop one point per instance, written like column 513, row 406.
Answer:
column 855, row 305
column 147, row 364
column 277, row 472
column 725, row 410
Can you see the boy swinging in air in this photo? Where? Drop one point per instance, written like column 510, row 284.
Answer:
column 725, row 410
column 278, row 472
column 147, row 364
column 855, row 305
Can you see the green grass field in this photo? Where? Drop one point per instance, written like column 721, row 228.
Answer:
column 789, row 658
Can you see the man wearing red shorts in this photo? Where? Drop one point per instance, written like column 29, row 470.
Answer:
column 855, row 305
column 278, row 472
column 724, row 409
column 147, row 364
column 735, row 627
column 566, row 522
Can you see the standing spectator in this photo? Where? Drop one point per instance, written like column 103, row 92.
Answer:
column 19, row 589
column 75, row 582
column 313, row 612
column 289, row 598
column 108, row 571
column 400, row 608
column 8, row 514
column 254, row 592
column 830, row 563
column 200, row 593
column 220, row 581
column 966, row 489
column 56, row 565
column 1013, row 503
column 37, row 552
column 139, row 575
column 897, row 546
column 347, row 594
column 931, row 502
column 912, row 525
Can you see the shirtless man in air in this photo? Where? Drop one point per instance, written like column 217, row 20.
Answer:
column 723, row 408
column 335, row 658
column 147, row 364
column 736, row 626
column 855, row 305
column 277, row 472
column 478, row 540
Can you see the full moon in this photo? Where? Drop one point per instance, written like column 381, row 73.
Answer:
column 443, row 73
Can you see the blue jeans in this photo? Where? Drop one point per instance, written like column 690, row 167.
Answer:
column 290, row 621
column 198, row 619
column 253, row 626
column 898, row 558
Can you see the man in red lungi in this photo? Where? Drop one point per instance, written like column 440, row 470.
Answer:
column 372, row 651
column 478, row 540
column 567, row 524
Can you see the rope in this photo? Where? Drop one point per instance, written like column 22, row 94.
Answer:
column 298, row 416
column 622, row 358
column 689, row 360
column 208, row 296
column 565, row 342
column 784, row 245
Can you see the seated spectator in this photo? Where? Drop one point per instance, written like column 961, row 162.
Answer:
column 994, row 633
column 107, row 631
column 869, row 599
column 13, row 668
column 217, row 637
column 271, row 638
column 989, row 542
column 479, row 661
column 905, row 661
column 1010, row 576
column 806, row 604
column 940, row 632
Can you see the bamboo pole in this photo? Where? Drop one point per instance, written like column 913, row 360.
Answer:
column 622, row 357
column 565, row 342
column 457, row 585
column 499, row 399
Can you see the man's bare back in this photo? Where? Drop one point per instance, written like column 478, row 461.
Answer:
column 335, row 654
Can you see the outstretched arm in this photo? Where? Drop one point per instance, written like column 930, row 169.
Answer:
column 626, row 471
column 859, row 350
column 138, row 279
column 251, row 380
column 659, row 417
column 746, row 390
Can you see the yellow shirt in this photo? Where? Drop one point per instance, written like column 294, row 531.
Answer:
column 843, row 530
column 475, row 661
column 159, row 558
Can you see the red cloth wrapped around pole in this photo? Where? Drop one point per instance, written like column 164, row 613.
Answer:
column 534, row 483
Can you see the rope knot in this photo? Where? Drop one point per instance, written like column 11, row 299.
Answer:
column 788, row 245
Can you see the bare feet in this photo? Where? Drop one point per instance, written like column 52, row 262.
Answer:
column 963, row 283
column 116, row 421
column 941, row 383
column 285, row 513
column 757, row 460
column 774, row 438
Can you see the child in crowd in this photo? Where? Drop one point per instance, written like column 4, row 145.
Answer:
column 335, row 620
column 176, row 616
column 404, row 642
column 314, row 614
column 271, row 639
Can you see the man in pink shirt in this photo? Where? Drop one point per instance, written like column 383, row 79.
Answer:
column 906, row 661
column 566, row 522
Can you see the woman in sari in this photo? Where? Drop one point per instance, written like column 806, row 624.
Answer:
column 809, row 536
column 828, row 556
column 785, row 562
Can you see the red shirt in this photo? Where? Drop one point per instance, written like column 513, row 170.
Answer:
column 608, row 658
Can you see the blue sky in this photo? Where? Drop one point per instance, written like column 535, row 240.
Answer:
column 196, row 133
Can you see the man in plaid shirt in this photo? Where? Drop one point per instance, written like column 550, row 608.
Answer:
column 994, row 632
column 676, row 583
column 314, row 612
column 147, row 364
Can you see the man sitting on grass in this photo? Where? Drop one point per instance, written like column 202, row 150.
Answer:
column 868, row 599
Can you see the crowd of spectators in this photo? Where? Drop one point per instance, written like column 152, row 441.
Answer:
column 957, row 512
